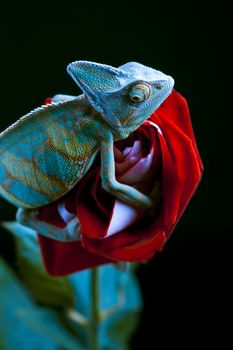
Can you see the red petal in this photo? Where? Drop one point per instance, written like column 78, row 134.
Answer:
column 50, row 214
column 94, row 206
column 48, row 100
column 175, row 109
column 65, row 258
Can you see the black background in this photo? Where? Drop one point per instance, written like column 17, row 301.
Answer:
column 186, row 287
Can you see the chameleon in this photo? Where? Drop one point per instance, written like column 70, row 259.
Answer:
column 45, row 153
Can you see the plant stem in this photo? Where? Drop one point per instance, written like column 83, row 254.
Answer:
column 95, row 314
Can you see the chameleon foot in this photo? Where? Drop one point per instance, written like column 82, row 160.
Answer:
column 28, row 217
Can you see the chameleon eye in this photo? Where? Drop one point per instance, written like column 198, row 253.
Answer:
column 139, row 92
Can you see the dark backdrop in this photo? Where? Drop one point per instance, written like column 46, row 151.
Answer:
column 187, row 286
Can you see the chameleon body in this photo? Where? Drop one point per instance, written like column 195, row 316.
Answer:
column 46, row 153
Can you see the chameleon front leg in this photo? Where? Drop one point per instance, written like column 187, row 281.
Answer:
column 125, row 193
column 71, row 232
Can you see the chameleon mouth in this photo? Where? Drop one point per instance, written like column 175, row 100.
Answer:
column 132, row 119
column 125, row 120
column 124, row 130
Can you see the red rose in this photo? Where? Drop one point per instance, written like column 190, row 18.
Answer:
column 162, row 153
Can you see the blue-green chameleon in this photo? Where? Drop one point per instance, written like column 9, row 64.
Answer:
column 45, row 153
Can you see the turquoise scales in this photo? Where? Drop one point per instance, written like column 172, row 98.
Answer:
column 46, row 152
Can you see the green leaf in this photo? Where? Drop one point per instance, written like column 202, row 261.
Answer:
column 48, row 290
column 50, row 324
column 13, row 333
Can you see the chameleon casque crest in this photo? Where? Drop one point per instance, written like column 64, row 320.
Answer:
column 46, row 152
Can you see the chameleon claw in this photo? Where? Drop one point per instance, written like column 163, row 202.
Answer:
column 73, row 229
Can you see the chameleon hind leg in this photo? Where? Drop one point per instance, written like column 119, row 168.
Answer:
column 71, row 232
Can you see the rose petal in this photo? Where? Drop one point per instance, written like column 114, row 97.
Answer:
column 123, row 216
column 49, row 213
column 133, row 155
column 175, row 109
column 141, row 171
column 136, row 151
column 93, row 215
column 118, row 155
column 65, row 258
column 123, row 167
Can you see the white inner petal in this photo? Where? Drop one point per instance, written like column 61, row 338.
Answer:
column 123, row 216
column 140, row 171
column 126, row 151
column 134, row 150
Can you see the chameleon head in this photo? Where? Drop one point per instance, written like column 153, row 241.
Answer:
column 125, row 96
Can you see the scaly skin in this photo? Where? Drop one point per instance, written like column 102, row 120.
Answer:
column 48, row 151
